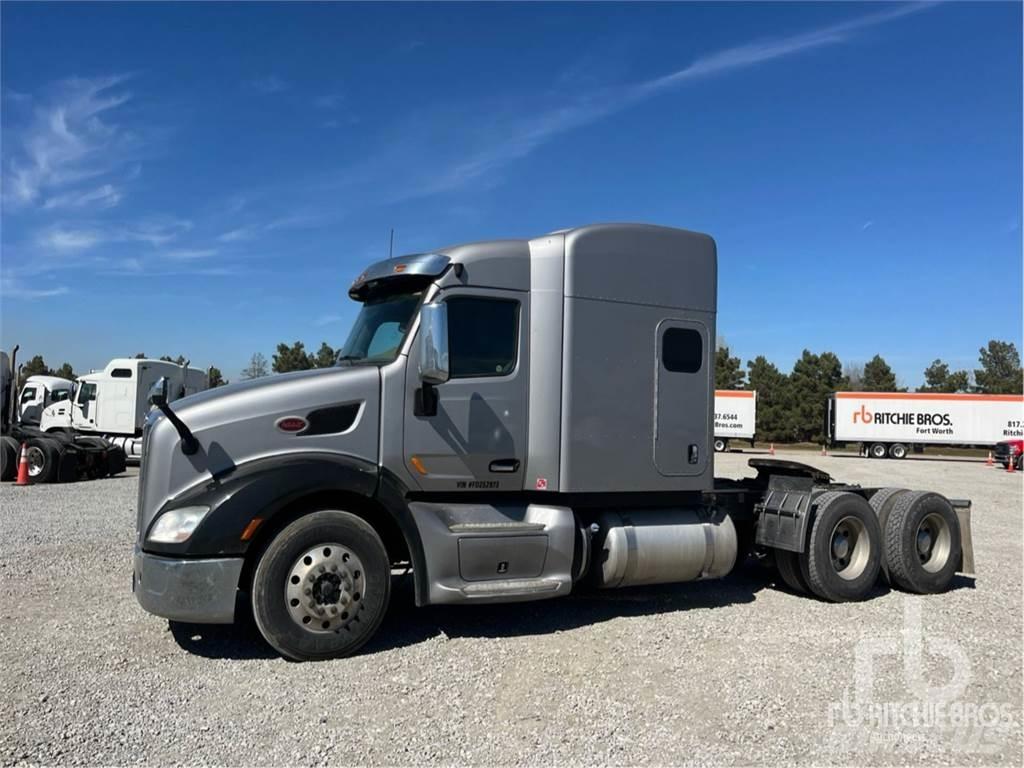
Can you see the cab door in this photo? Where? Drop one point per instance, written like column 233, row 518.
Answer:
column 476, row 440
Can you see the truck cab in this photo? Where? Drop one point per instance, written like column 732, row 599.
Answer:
column 507, row 418
column 38, row 393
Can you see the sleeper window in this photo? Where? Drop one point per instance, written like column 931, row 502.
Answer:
column 681, row 350
column 483, row 336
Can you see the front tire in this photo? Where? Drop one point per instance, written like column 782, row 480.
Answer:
column 322, row 586
column 844, row 552
column 43, row 460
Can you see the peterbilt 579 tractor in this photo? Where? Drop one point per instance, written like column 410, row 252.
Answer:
column 511, row 419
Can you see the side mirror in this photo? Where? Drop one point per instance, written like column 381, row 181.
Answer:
column 158, row 392
column 434, row 343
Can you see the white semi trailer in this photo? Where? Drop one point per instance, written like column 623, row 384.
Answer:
column 891, row 424
column 113, row 402
column 735, row 417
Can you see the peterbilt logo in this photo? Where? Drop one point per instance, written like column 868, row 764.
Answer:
column 291, row 424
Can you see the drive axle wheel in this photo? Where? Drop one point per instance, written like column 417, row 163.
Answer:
column 788, row 564
column 720, row 445
column 322, row 586
column 922, row 542
column 878, row 451
column 882, row 502
column 844, row 552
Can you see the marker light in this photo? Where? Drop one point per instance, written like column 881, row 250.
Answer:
column 176, row 525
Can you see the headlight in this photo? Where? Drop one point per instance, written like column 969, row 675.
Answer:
column 176, row 525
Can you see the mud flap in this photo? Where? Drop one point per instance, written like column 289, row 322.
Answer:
column 962, row 507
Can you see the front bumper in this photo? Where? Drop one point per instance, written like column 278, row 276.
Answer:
column 1004, row 453
column 200, row 591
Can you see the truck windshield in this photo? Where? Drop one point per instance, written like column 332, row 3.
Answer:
column 379, row 329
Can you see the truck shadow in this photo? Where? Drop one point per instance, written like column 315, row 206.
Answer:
column 406, row 625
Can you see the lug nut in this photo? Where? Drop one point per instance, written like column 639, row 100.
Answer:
column 333, row 568
column 307, row 591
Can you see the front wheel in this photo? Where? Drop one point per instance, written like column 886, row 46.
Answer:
column 43, row 460
column 322, row 586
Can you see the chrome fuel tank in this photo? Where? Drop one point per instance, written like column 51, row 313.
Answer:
column 663, row 546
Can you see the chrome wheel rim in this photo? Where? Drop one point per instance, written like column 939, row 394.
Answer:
column 899, row 452
column 878, row 451
column 324, row 588
column 36, row 461
column 849, row 548
column 933, row 542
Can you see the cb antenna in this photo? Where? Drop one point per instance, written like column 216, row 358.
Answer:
column 391, row 244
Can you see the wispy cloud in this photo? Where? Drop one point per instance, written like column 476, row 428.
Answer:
column 253, row 231
column 63, row 239
column 270, row 84
column 506, row 137
column 329, row 101
column 70, row 140
column 103, row 196
column 190, row 254
column 13, row 288
column 867, row 225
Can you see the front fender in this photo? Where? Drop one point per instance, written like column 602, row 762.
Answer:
column 261, row 488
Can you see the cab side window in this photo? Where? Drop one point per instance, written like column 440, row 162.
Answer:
column 86, row 393
column 483, row 336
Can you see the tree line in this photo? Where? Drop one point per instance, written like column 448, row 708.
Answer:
column 792, row 407
column 290, row 357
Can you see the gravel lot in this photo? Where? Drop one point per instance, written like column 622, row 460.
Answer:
column 733, row 672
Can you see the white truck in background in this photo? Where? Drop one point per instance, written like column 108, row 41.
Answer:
column 113, row 402
column 891, row 424
column 38, row 393
column 58, row 457
column 735, row 417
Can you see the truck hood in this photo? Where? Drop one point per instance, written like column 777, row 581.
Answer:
column 239, row 423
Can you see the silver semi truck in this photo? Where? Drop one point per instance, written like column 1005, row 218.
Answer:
column 509, row 419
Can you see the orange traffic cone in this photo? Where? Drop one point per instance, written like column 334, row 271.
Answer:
column 1010, row 466
column 988, row 461
column 23, row 466
column 771, row 449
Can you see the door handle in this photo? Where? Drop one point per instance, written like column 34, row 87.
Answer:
column 504, row 465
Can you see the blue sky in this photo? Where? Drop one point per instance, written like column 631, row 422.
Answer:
column 207, row 179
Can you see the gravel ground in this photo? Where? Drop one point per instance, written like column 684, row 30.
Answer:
column 731, row 672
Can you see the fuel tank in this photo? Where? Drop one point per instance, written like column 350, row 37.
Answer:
column 663, row 546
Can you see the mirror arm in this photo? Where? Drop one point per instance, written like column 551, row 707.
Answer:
column 425, row 403
column 189, row 444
